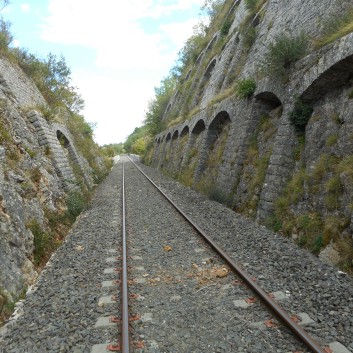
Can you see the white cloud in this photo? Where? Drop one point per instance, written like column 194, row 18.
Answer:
column 25, row 7
column 117, row 108
column 136, row 60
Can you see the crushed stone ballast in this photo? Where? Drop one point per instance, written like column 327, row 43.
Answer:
column 183, row 296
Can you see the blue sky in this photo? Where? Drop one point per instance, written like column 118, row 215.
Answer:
column 117, row 50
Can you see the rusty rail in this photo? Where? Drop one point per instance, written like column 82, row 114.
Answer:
column 280, row 313
column 125, row 336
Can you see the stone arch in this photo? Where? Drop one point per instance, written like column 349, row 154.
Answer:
column 212, row 42
column 209, row 69
column 217, row 124
column 66, row 142
column 199, row 58
column 175, row 135
column 268, row 99
column 168, row 137
column 204, row 80
column 184, row 131
column 194, row 144
column 199, row 127
column 335, row 77
column 188, row 75
column 67, row 145
column 254, row 154
column 214, row 144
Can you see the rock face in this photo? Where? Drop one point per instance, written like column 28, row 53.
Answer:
column 36, row 169
column 247, row 152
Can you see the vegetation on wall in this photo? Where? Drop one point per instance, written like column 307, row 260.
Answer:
column 52, row 76
column 335, row 27
column 245, row 88
column 284, row 51
column 300, row 115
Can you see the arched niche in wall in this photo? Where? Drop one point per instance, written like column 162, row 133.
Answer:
column 267, row 110
column 205, row 78
column 209, row 69
column 199, row 58
column 188, row 75
column 217, row 125
column 185, row 131
column 215, row 142
column 192, row 149
column 196, row 134
column 175, row 135
column 182, row 145
column 212, row 43
column 336, row 77
column 327, row 130
column 65, row 143
column 199, row 127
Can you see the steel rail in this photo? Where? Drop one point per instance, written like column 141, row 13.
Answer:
column 281, row 314
column 125, row 336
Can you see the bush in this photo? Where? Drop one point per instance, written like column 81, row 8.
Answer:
column 249, row 36
column 246, row 88
column 75, row 203
column 43, row 241
column 225, row 28
column 300, row 115
column 284, row 51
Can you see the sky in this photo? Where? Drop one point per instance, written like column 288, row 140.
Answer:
column 118, row 50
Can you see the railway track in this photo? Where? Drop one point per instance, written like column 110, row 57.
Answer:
column 219, row 271
column 183, row 297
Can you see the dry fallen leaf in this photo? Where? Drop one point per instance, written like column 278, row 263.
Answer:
column 167, row 248
column 221, row 272
column 79, row 248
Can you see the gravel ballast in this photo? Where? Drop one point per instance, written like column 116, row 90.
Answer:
column 187, row 300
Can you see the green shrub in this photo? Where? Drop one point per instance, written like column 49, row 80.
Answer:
column 75, row 203
column 225, row 28
column 249, row 36
column 284, row 51
column 300, row 115
column 245, row 88
column 43, row 241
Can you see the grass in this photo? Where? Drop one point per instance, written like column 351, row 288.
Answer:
column 221, row 96
column 331, row 140
column 217, row 149
column 333, row 189
column 5, row 136
column 175, row 121
column 299, row 148
column 335, row 28
column 345, row 249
